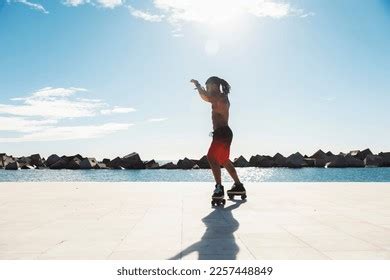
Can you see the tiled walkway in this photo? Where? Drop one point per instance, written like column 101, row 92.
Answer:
column 176, row 221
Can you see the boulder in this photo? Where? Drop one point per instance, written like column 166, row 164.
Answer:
column 14, row 165
column 169, row 165
column 151, row 164
column 195, row 166
column 37, row 160
column 319, row 155
column 116, row 163
column 69, row 158
column 330, row 154
column 373, row 161
column 337, row 162
column 386, row 158
column 26, row 166
column 88, row 163
column 52, row 159
column 309, row 162
column 203, row 163
column 353, row 161
column 106, row 161
column 73, row 164
column 132, row 161
column 185, row 163
column 101, row 165
column 295, row 161
column 241, row 162
column 24, row 160
column 341, row 161
column 261, row 161
column 360, row 154
column 60, row 164
column 279, row 160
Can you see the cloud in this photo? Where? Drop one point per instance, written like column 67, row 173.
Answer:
column 102, row 3
column 116, row 109
column 157, row 119
column 220, row 11
column 54, row 103
column 145, row 15
column 70, row 133
column 32, row 5
column 39, row 114
column 24, row 125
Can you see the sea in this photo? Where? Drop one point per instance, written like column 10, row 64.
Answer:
column 249, row 174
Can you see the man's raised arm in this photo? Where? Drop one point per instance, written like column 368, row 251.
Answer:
column 202, row 92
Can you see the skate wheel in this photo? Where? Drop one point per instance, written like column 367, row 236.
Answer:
column 224, row 201
column 231, row 196
column 243, row 196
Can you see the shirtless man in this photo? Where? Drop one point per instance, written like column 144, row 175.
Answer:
column 219, row 151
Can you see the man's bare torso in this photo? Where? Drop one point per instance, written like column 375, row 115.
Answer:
column 220, row 111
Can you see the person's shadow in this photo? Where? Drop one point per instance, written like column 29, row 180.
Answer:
column 218, row 241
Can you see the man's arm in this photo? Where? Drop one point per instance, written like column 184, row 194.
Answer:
column 202, row 92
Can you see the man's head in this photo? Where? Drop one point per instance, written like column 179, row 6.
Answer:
column 217, row 85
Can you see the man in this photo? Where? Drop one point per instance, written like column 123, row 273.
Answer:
column 216, row 93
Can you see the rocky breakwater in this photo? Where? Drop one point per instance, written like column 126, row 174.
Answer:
column 319, row 159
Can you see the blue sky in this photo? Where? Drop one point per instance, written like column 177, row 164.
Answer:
column 109, row 77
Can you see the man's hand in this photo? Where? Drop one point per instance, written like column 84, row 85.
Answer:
column 196, row 83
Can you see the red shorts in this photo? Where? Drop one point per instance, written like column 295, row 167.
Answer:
column 220, row 146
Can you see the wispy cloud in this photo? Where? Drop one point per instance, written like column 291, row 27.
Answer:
column 70, row 132
column 157, row 119
column 102, row 3
column 39, row 114
column 118, row 110
column 35, row 6
column 55, row 103
column 145, row 15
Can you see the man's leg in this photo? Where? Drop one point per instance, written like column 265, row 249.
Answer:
column 231, row 170
column 216, row 168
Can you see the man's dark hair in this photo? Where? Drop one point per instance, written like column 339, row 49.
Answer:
column 220, row 82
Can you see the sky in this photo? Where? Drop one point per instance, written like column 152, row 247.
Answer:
column 105, row 78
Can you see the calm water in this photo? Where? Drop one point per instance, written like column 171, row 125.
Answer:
column 246, row 174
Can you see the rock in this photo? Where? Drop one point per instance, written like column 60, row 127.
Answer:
column 353, row 161
column 373, row 161
column 203, row 163
column 360, row 154
column 295, row 161
column 23, row 160
column 60, row 164
column 319, row 155
column 195, row 166
column 279, row 160
column 169, row 165
column 88, row 163
column 78, row 157
column 37, row 160
column 116, row 163
column 241, row 162
column 106, row 161
column 261, row 161
column 132, row 161
column 52, row 159
column 321, row 158
column 185, row 164
column 26, row 166
column 14, row 165
column 151, row 164
column 73, row 164
column 341, row 161
column 386, row 158
column 310, row 162
column 101, row 165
